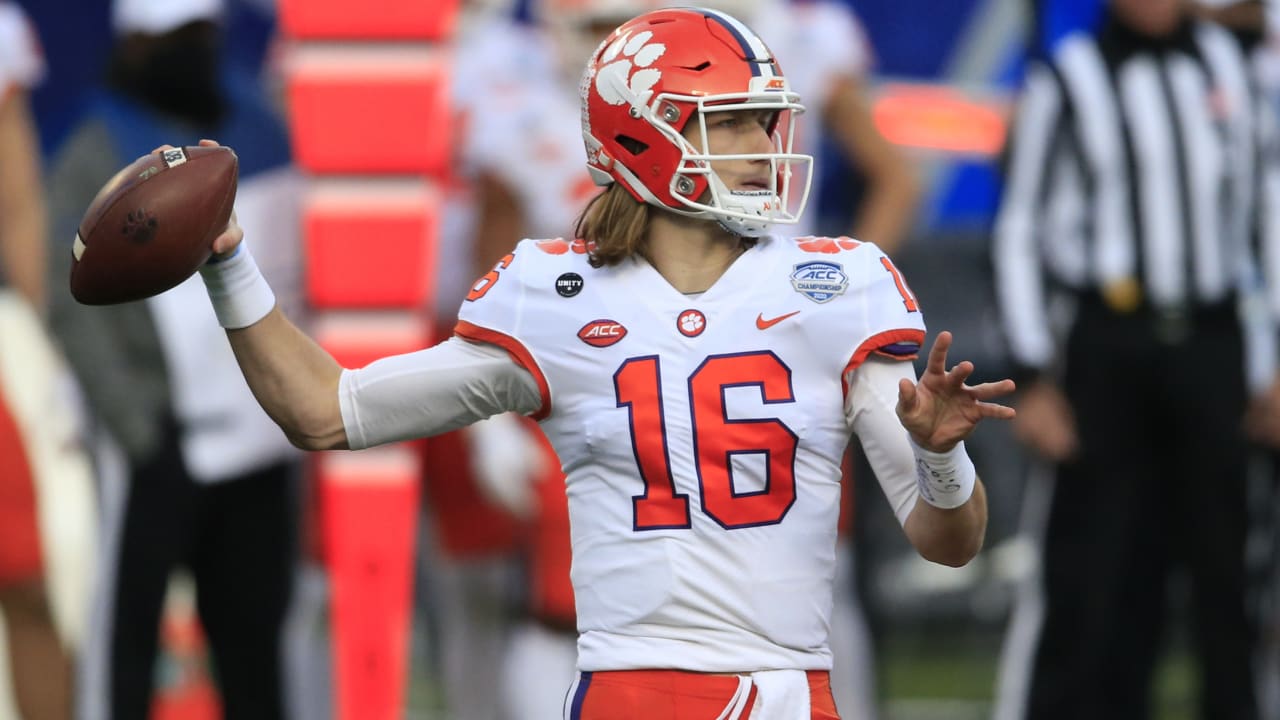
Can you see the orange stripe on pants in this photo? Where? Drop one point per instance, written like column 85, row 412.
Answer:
column 677, row 695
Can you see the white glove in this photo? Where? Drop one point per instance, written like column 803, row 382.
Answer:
column 506, row 460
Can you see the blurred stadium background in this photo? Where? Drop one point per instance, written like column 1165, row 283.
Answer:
column 944, row 79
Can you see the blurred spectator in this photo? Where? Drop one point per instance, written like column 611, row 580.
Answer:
column 22, row 252
column 1131, row 202
column 831, row 67
column 38, row 663
column 519, row 85
column 201, row 477
column 471, row 559
column 1246, row 18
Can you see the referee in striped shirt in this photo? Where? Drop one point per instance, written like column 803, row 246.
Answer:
column 1132, row 200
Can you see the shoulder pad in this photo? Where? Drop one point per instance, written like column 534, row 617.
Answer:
column 863, row 295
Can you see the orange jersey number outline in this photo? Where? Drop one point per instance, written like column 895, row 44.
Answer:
column 489, row 279
column 908, row 298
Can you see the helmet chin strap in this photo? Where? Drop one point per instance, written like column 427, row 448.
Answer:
column 744, row 228
column 755, row 203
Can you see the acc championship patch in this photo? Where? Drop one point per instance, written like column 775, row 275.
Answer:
column 819, row 281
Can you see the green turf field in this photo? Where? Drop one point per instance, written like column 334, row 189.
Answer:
column 931, row 675
column 924, row 674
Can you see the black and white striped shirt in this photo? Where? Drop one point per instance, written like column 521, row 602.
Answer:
column 1133, row 162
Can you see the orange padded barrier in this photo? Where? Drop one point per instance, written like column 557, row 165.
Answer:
column 369, row 19
column 368, row 513
column 356, row 339
column 369, row 110
column 372, row 247
column 941, row 118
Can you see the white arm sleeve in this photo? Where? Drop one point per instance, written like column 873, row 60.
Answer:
column 432, row 391
column 870, row 409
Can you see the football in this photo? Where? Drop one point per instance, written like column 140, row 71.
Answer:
column 153, row 224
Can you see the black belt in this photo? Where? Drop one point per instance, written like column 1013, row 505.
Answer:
column 1170, row 325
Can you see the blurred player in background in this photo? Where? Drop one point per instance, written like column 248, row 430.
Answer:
column 521, row 95
column 199, row 477
column 830, row 64
column 471, row 578
column 41, row 671
column 22, row 252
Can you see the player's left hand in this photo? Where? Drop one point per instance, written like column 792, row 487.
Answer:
column 939, row 410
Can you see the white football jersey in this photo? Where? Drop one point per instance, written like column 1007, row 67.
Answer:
column 701, row 437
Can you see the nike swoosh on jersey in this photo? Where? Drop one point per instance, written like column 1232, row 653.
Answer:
column 762, row 324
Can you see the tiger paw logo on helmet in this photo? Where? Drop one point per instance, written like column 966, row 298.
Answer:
column 624, row 75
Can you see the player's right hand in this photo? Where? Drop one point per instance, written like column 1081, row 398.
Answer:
column 225, row 244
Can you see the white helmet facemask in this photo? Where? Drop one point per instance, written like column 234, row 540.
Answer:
column 748, row 213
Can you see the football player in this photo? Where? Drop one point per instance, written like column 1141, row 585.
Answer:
column 698, row 378
column 527, row 75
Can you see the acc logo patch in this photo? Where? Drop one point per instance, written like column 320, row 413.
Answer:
column 819, row 281
column 601, row 333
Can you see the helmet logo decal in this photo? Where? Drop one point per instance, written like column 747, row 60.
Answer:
column 622, row 80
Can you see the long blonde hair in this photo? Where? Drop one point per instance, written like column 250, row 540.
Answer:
column 614, row 224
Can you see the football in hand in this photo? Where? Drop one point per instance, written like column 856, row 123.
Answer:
column 153, row 224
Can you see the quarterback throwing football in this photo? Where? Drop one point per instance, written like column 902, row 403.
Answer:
column 698, row 379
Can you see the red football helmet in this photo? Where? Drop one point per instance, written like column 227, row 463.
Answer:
column 664, row 69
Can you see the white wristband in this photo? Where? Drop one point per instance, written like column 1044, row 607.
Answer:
column 240, row 294
column 946, row 479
